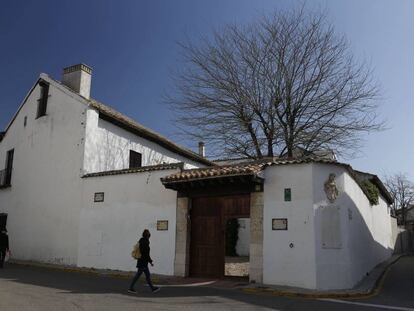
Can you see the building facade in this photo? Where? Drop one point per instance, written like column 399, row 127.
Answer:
column 81, row 181
column 59, row 136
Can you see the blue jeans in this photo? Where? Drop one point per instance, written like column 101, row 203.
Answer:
column 147, row 273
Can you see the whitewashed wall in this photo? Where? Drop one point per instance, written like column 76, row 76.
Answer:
column 366, row 235
column 282, row 264
column 132, row 202
column 107, row 147
column 326, row 254
column 44, row 201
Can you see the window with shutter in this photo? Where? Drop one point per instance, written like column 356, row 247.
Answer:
column 42, row 102
column 135, row 159
column 9, row 167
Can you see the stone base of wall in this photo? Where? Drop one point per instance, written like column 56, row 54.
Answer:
column 256, row 237
column 182, row 239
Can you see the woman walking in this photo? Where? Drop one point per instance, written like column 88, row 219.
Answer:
column 142, row 263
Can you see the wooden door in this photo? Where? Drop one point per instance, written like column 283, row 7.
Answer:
column 206, row 250
column 208, row 219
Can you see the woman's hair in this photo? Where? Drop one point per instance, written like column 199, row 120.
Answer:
column 146, row 233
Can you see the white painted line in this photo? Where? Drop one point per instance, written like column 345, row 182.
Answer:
column 188, row 285
column 368, row 304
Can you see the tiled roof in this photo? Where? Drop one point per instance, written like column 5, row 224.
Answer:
column 254, row 168
column 128, row 123
column 239, row 169
column 159, row 167
column 251, row 168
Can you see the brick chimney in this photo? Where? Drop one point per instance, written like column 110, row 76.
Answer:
column 78, row 78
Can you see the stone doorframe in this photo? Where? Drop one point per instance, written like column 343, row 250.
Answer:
column 182, row 238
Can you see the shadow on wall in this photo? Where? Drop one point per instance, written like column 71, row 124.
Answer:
column 347, row 250
column 104, row 151
column 108, row 149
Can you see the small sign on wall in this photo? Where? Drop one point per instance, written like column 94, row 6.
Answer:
column 162, row 225
column 99, row 197
column 279, row 224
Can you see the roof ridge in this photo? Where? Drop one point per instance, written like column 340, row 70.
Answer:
column 94, row 102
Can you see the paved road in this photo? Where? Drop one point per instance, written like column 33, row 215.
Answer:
column 35, row 289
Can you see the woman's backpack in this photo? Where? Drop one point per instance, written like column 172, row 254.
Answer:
column 136, row 252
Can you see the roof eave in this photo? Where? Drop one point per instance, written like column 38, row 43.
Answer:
column 250, row 178
column 143, row 169
column 377, row 181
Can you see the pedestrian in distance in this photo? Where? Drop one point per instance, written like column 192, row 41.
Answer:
column 4, row 246
column 141, row 252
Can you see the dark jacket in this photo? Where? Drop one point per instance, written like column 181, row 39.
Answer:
column 4, row 241
column 145, row 253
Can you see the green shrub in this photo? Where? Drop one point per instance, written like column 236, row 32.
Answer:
column 371, row 191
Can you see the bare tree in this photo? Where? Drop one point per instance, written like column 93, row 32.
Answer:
column 285, row 82
column 402, row 191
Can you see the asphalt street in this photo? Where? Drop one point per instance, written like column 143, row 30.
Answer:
column 32, row 288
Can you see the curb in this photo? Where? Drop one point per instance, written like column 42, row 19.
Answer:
column 351, row 294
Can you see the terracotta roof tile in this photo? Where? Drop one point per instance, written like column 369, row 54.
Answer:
column 251, row 168
column 159, row 167
column 254, row 168
column 244, row 168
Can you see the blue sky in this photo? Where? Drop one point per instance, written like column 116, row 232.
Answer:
column 132, row 47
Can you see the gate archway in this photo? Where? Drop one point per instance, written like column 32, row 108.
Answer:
column 209, row 216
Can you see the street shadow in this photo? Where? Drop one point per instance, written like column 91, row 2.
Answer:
column 70, row 283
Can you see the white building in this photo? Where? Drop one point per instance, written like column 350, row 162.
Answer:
column 81, row 181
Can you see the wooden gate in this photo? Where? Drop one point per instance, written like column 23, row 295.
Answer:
column 208, row 218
